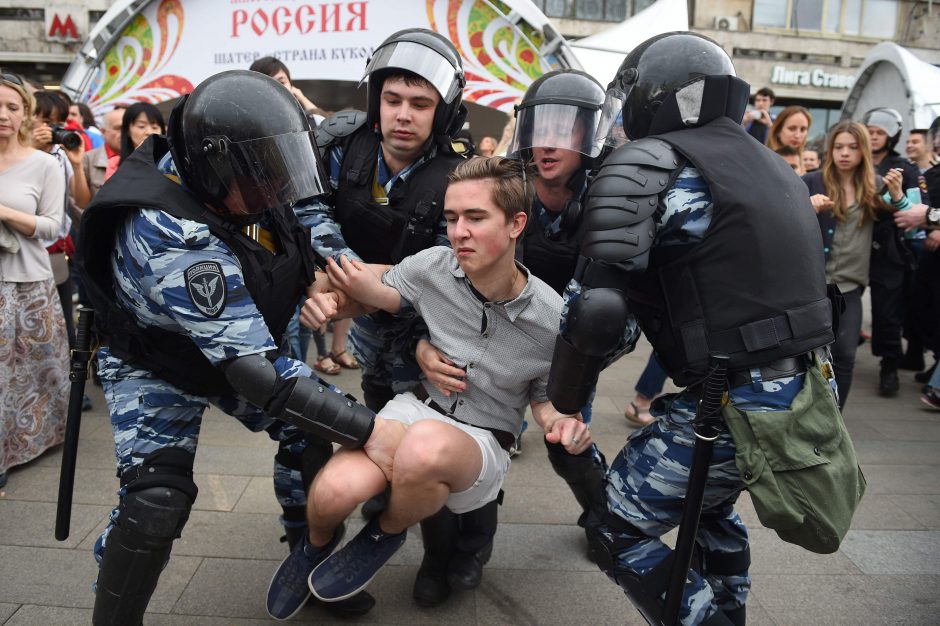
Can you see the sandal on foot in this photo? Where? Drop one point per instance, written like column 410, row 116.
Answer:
column 351, row 364
column 635, row 416
column 332, row 369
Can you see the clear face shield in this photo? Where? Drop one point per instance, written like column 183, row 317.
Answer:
column 423, row 61
column 610, row 132
column 267, row 173
column 555, row 125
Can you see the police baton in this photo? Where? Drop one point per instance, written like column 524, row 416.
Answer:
column 707, row 429
column 78, row 373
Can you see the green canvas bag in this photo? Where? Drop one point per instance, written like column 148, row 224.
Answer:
column 799, row 466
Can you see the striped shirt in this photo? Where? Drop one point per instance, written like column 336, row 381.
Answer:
column 505, row 348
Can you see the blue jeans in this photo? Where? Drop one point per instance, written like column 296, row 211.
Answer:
column 652, row 379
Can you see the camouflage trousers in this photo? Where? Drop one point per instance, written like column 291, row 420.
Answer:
column 148, row 414
column 647, row 482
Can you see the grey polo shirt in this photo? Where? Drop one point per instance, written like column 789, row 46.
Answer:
column 506, row 358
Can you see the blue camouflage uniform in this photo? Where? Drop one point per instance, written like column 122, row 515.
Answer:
column 152, row 252
column 647, row 481
column 383, row 344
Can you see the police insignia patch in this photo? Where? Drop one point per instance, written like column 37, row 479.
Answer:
column 205, row 284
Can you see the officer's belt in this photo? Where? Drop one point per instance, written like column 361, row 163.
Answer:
column 787, row 366
column 503, row 438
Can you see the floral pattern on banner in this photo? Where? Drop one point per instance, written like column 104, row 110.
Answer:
column 500, row 59
column 132, row 68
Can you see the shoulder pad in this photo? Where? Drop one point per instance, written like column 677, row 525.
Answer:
column 338, row 126
column 461, row 146
column 646, row 151
column 632, row 177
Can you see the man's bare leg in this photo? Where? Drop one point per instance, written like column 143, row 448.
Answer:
column 433, row 460
column 350, row 478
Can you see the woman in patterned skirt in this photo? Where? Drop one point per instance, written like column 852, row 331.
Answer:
column 33, row 340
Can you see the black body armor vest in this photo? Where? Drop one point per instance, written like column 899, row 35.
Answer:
column 553, row 259
column 275, row 281
column 408, row 223
column 755, row 287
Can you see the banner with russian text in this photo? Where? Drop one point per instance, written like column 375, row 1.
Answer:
column 172, row 45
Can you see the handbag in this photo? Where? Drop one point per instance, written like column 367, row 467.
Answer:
column 799, row 465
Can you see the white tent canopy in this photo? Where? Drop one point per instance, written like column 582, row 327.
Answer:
column 602, row 53
column 892, row 76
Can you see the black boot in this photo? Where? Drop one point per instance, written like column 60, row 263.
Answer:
column 474, row 547
column 888, row 382
column 586, row 477
column 439, row 536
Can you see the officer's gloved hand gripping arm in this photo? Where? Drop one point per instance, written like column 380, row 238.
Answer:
column 616, row 236
column 307, row 403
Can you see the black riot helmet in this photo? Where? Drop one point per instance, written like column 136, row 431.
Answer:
column 656, row 71
column 560, row 109
column 428, row 55
column 887, row 120
column 242, row 144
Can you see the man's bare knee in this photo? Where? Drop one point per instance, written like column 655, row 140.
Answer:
column 424, row 451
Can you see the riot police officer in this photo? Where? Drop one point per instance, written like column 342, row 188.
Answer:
column 195, row 262
column 556, row 122
column 675, row 242
column 891, row 258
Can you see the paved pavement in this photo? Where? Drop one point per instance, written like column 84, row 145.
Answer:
column 887, row 571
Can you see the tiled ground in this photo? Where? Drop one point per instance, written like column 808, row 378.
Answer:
column 887, row 572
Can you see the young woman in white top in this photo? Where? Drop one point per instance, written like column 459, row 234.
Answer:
column 33, row 340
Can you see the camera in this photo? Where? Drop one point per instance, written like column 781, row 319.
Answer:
column 68, row 138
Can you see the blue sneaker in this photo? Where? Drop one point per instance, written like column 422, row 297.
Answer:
column 348, row 571
column 288, row 591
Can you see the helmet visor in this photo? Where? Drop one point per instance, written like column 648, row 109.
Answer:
column 271, row 172
column 885, row 121
column 423, row 61
column 610, row 130
column 563, row 126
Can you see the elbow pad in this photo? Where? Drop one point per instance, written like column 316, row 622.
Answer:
column 595, row 325
column 310, row 405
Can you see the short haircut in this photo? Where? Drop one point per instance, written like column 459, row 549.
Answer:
column 788, row 151
column 51, row 106
column 920, row 131
column 512, row 189
column 270, row 66
column 411, row 79
column 767, row 92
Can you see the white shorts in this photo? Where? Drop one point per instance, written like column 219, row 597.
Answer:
column 407, row 409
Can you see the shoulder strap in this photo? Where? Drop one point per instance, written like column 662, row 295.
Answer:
column 337, row 127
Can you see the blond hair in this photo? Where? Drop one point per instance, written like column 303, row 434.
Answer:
column 24, row 135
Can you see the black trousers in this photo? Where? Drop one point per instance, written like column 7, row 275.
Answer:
column 846, row 343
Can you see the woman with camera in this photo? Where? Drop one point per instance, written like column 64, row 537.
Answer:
column 33, row 341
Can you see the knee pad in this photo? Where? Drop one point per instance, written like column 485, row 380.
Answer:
column 138, row 548
column 726, row 563
column 159, row 495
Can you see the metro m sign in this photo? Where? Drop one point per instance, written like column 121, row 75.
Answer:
column 66, row 23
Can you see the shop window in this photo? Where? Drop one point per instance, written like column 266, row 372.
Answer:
column 865, row 18
column 593, row 10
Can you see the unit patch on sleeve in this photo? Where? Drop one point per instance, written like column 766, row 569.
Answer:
column 205, row 284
